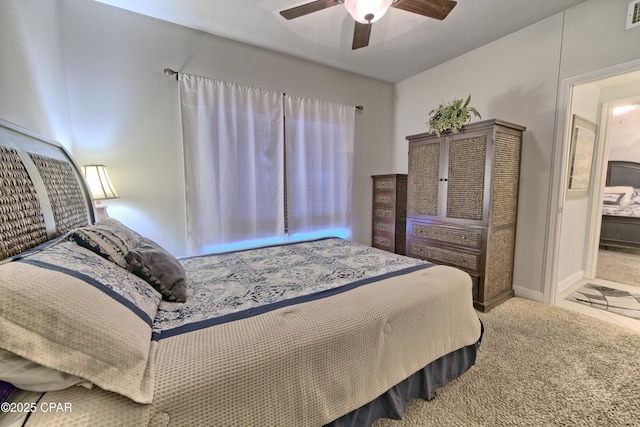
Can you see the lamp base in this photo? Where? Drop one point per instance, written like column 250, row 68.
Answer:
column 101, row 212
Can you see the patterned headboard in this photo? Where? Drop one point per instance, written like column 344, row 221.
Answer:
column 42, row 192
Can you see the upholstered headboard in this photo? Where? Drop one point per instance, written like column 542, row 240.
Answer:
column 623, row 173
column 42, row 192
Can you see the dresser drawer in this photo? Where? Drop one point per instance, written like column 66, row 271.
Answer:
column 382, row 226
column 463, row 260
column 381, row 198
column 467, row 237
column 383, row 241
column 382, row 212
column 384, row 183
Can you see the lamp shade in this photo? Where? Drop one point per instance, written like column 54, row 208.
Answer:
column 98, row 181
column 367, row 11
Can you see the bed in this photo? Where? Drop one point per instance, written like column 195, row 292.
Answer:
column 621, row 206
column 102, row 327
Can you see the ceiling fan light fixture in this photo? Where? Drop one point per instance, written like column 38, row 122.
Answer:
column 367, row 11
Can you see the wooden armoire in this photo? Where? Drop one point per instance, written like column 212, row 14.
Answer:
column 462, row 204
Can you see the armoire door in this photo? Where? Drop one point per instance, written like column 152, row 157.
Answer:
column 423, row 187
column 466, row 177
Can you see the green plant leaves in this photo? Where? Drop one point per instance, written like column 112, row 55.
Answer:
column 451, row 116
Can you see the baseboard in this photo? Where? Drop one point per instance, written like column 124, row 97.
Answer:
column 528, row 294
column 569, row 281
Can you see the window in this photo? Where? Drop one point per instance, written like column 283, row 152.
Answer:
column 238, row 192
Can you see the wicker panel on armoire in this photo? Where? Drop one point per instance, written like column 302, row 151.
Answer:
column 462, row 203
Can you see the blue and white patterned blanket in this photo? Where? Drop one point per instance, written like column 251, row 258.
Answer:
column 631, row 209
column 229, row 286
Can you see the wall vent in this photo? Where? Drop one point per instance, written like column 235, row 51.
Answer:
column 633, row 17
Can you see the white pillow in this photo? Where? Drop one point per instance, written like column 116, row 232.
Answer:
column 28, row 375
column 626, row 191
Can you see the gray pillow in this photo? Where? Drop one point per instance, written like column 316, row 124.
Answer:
column 159, row 268
column 108, row 238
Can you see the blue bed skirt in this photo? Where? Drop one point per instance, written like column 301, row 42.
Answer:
column 423, row 384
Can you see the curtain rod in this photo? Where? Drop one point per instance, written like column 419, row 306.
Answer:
column 170, row 72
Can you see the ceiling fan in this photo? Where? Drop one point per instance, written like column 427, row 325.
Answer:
column 366, row 12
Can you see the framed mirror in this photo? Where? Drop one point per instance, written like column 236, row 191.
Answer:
column 583, row 141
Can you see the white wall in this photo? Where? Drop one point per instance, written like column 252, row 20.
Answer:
column 33, row 85
column 121, row 110
column 624, row 142
column 516, row 79
column 573, row 232
column 624, row 138
column 594, row 37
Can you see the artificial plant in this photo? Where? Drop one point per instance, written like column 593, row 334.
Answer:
column 451, row 116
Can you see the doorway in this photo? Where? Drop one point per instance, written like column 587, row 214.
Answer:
column 617, row 258
column 580, row 218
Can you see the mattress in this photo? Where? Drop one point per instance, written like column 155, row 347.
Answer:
column 293, row 335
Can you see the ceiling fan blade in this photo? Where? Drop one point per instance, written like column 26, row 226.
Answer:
column 361, row 33
column 437, row 9
column 305, row 9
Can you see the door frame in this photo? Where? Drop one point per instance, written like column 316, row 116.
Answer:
column 559, row 171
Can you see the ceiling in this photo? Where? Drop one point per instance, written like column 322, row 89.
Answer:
column 402, row 44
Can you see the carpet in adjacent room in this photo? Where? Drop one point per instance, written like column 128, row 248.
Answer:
column 619, row 265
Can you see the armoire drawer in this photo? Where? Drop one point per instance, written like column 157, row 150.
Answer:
column 467, row 237
column 435, row 254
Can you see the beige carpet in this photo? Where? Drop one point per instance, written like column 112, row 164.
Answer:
column 540, row 365
column 619, row 265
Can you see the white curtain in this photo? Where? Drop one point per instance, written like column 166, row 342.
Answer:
column 319, row 149
column 234, row 164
